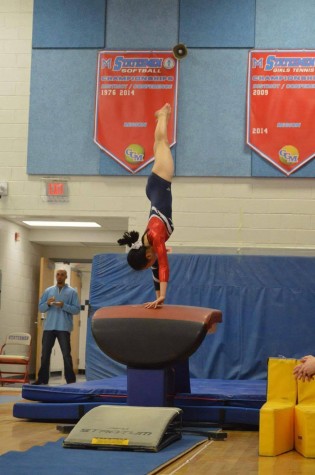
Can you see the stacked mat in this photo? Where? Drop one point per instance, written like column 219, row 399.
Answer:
column 211, row 400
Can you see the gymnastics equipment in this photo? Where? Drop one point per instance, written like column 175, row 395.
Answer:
column 276, row 426
column 218, row 401
column 126, row 428
column 305, row 419
column 15, row 352
column 154, row 344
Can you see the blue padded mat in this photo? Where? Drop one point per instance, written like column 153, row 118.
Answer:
column 77, row 392
column 250, row 393
column 52, row 458
column 222, row 415
column 210, row 400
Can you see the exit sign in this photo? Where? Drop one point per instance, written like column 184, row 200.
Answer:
column 57, row 191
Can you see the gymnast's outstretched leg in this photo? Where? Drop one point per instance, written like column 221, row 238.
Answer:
column 163, row 164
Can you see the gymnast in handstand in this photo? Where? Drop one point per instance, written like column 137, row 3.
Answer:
column 150, row 250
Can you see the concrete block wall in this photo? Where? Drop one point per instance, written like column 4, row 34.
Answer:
column 19, row 265
column 216, row 214
column 19, row 259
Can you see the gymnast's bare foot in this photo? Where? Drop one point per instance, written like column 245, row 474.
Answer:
column 164, row 111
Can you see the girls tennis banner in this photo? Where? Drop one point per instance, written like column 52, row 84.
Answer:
column 130, row 87
column 281, row 107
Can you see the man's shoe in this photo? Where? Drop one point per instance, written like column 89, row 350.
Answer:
column 38, row 383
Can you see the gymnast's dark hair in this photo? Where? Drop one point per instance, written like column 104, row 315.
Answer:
column 136, row 258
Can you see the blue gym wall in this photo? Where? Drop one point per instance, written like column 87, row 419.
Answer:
column 267, row 305
column 67, row 34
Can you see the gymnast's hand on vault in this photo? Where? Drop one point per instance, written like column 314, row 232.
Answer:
column 157, row 303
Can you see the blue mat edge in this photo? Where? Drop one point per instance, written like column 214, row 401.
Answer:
column 70, row 402
column 23, row 463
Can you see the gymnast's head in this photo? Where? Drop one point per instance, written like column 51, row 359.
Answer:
column 140, row 256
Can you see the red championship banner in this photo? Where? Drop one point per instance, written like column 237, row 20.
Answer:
column 281, row 107
column 131, row 86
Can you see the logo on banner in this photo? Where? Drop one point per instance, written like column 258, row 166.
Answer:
column 289, row 156
column 134, row 154
column 131, row 86
column 281, row 107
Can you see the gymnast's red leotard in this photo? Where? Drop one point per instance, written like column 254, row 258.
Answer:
column 158, row 234
column 160, row 225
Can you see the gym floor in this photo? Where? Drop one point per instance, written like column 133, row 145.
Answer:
column 237, row 455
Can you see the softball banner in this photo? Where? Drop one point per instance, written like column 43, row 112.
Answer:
column 131, row 86
column 281, row 107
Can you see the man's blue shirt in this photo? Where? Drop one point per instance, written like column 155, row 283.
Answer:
column 60, row 318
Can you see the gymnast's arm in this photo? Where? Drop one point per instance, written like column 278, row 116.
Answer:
column 160, row 274
column 160, row 297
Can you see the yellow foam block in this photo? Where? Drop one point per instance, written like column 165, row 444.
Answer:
column 276, row 428
column 276, row 424
column 281, row 382
column 305, row 419
column 306, row 392
column 305, row 430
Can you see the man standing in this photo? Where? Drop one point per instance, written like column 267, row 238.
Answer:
column 60, row 302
